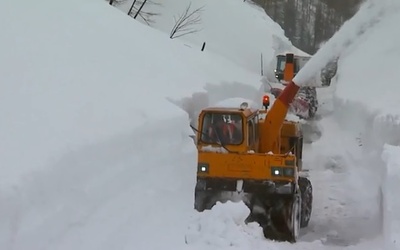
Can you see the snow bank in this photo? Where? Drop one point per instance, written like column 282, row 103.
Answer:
column 391, row 203
column 93, row 154
column 97, row 197
column 366, row 109
column 67, row 83
column 223, row 226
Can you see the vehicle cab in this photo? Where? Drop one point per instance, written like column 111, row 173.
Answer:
column 228, row 129
column 299, row 62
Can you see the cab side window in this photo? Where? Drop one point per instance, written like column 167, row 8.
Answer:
column 205, row 135
column 255, row 127
column 252, row 132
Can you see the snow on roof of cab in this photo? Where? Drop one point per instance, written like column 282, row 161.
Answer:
column 235, row 103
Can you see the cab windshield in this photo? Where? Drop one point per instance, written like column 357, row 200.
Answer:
column 281, row 61
column 222, row 128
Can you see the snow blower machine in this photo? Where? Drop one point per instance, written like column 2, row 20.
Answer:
column 305, row 104
column 254, row 155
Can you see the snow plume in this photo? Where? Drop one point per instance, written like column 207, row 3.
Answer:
column 366, row 105
column 370, row 13
column 346, row 195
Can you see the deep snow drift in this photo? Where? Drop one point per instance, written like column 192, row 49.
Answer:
column 65, row 84
column 95, row 152
column 94, row 155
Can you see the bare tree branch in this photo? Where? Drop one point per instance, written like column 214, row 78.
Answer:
column 145, row 15
column 187, row 33
column 184, row 24
column 144, row 19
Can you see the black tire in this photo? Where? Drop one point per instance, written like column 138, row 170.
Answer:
column 306, row 201
column 296, row 219
column 283, row 224
column 204, row 200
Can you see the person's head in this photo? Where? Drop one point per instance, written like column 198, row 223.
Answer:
column 218, row 118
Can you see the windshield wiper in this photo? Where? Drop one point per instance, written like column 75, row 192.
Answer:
column 218, row 137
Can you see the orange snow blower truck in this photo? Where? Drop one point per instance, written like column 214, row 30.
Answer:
column 255, row 155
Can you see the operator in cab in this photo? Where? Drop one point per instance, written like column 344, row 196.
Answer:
column 223, row 129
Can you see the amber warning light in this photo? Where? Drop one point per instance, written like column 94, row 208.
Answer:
column 266, row 101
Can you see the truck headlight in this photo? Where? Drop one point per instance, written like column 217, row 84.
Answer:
column 282, row 171
column 202, row 168
column 276, row 171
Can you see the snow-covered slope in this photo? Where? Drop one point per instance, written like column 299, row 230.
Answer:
column 95, row 153
column 67, row 83
column 237, row 30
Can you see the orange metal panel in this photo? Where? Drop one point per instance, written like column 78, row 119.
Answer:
column 243, row 166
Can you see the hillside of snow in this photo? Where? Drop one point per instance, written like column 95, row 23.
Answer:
column 95, row 147
column 238, row 31
column 95, row 153
column 67, row 84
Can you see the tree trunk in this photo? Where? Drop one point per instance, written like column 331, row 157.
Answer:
column 130, row 10
column 141, row 6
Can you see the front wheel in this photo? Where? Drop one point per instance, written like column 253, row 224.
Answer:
column 296, row 219
column 205, row 199
column 306, row 201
